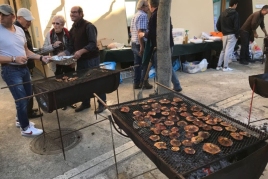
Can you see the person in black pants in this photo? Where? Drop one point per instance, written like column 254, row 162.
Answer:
column 24, row 18
column 248, row 33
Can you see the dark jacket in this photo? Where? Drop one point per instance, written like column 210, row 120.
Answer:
column 83, row 34
column 253, row 22
column 30, row 62
column 228, row 22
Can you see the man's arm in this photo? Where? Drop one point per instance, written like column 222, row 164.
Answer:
column 254, row 25
column 31, row 55
column 218, row 25
column 265, row 32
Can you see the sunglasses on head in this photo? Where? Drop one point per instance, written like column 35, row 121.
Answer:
column 55, row 23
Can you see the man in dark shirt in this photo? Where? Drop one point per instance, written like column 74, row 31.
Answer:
column 248, row 32
column 24, row 21
column 83, row 43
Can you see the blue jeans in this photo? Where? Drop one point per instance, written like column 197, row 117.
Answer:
column 12, row 74
column 90, row 63
column 139, row 72
column 174, row 79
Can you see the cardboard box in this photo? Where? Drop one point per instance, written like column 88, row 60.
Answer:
column 103, row 43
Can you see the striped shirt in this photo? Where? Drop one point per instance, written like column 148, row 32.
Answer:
column 138, row 22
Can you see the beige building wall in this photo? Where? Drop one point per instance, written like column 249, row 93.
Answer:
column 193, row 15
column 259, row 31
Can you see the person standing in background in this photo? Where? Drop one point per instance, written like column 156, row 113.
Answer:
column 248, row 32
column 139, row 25
column 228, row 24
column 24, row 21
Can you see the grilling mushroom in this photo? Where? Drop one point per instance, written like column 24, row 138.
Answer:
column 143, row 102
column 211, row 148
column 160, row 126
column 184, row 108
column 173, row 118
column 155, row 130
column 207, row 127
column 189, row 150
column 169, row 123
column 183, row 104
column 145, row 107
column 151, row 113
column 177, row 99
column 174, row 109
column 156, row 105
column 174, row 103
column 137, row 113
column 154, row 138
column 156, row 110
column 125, row 109
column 190, row 118
column 165, row 132
column 174, row 135
column 160, row 145
column 224, row 141
column 217, row 119
column 182, row 123
column 197, row 139
column 175, row 142
column 191, row 128
column 236, row 136
column 185, row 114
column 165, row 113
column 196, row 108
column 217, row 128
column 198, row 123
column 226, row 124
column 175, row 149
column 154, row 120
column 143, row 124
column 164, row 101
column 151, row 101
column 211, row 122
column 138, row 118
column 204, row 134
column 245, row 134
column 198, row 114
column 187, row 143
column 164, row 108
column 174, row 129
column 231, row 128
column 189, row 135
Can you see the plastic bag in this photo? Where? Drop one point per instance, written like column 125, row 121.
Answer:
column 176, row 65
column 196, row 66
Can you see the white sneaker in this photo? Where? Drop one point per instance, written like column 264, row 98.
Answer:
column 227, row 69
column 31, row 131
column 18, row 124
column 218, row 68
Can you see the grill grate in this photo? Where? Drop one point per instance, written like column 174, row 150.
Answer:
column 180, row 162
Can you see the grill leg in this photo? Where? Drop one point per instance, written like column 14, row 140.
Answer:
column 62, row 146
column 250, row 109
column 109, row 117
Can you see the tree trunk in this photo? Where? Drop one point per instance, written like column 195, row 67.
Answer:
column 164, row 66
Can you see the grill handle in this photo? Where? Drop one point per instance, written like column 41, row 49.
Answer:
column 100, row 100
column 159, row 84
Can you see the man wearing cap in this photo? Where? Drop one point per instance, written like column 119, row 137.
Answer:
column 24, row 20
column 14, row 55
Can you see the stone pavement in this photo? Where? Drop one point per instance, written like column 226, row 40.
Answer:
column 228, row 92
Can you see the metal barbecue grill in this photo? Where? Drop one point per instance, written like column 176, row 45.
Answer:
column 179, row 164
column 65, row 93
